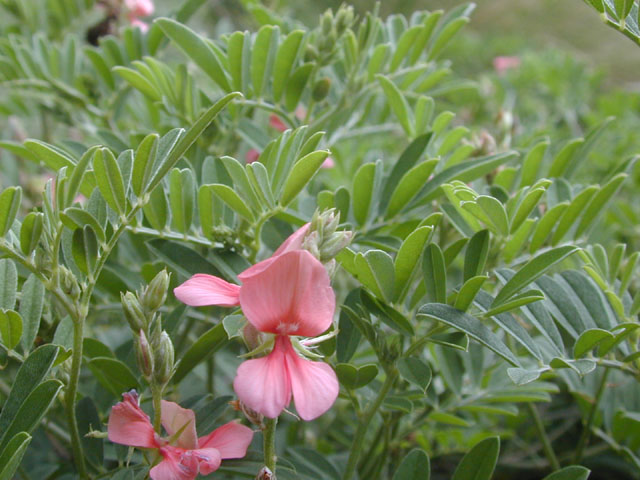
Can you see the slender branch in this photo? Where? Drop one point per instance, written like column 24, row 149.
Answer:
column 156, row 394
column 542, row 433
column 584, row 437
column 363, row 425
column 70, row 396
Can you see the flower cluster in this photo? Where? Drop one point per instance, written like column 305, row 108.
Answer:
column 137, row 9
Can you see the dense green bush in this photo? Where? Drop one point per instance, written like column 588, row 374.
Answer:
column 479, row 225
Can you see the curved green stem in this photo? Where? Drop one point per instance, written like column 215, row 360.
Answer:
column 586, row 433
column 156, row 394
column 70, row 396
column 544, row 438
column 269, row 443
column 363, row 425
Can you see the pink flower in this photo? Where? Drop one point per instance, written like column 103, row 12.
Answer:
column 189, row 455
column 136, row 22
column 140, row 8
column 287, row 294
column 502, row 64
column 275, row 122
column 252, row 155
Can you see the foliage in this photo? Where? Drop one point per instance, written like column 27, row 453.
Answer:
column 488, row 316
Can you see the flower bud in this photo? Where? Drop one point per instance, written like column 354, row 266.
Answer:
column 163, row 359
column 144, row 355
column 310, row 53
column 326, row 22
column 254, row 417
column 69, row 283
column 133, row 311
column 156, row 292
column 321, row 89
column 344, row 18
column 334, row 245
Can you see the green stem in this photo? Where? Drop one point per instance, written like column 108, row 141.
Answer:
column 156, row 394
column 363, row 425
column 269, row 443
column 584, row 437
column 70, row 395
column 544, row 438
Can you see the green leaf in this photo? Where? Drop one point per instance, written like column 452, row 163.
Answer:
column 182, row 198
column 31, row 305
column 414, row 370
column 53, row 157
column 597, row 203
column 516, row 301
column 386, row 314
column 532, row 270
column 444, row 36
column 572, row 212
column 113, row 375
column 143, row 163
column 528, row 203
column 480, row 461
column 197, row 49
column 74, row 218
column 531, row 164
column 356, row 377
column 31, row 411
column 208, row 343
column 235, row 57
column 475, row 257
column 348, row 334
column 285, row 58
column 301, row 174
column 231, row 198
column 435, row 273
column 9, row 204
column 85, row 249
column 415, row 466
column 398, row 104
column 469, row 325
column 468, row 292
column 496, row 213
column 156, row 209
column 407, row 260
column 10, row 328
column 109, row 180
column 448, row 419
column 378, row 60
column 34, row 369
column 185, row 141
column 564, row 157
column 589, row 339
column 545, row 225
column 139, row 82
column 581, row 367
column 30, row 232
column 88, row 419
column 296, row 85
column 8, row 284
column 375, row 270
column 11, row 456
column 262, row 57
column 573, row 472
column 409, row 185
column 363, row 191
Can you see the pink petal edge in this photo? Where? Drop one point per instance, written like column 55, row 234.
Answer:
column 231, row 440
column 203, row 289
column 175, row 418
column 129, row 425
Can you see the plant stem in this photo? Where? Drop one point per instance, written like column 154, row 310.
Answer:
column 269, row 443
column 584, row 438
column 156, row 395
column 544, row 438
column 70, row 395
column 363, row 425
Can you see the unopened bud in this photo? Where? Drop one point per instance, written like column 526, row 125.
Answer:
column 310, row 53
column 310, row 243
column 156, row 292
column 133, row 311
column 321, row 89
column 69, row 283
column 326, row 22
column 333, row 245
column 392, row 349
column 344, row 18
column 144, row 355
column 163, row 359
column 265, row 474
column 251, row 415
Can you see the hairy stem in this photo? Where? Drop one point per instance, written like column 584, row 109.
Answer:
column 586, row 433
column 156, row 395
column 363, row 425
column 269, row 443
column 544, row 438
column 70, row 396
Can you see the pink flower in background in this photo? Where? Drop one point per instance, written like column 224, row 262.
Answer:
column 252, row 155
column 275, row 122
column 502, row 64
column 189, row 455
column 287, row 294
column 139, row 8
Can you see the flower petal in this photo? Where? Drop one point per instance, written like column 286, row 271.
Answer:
column 129, row 425
column 203, row 289
column 314, row 385
column 231, row 440
column 293, row 242
column 208, row 459
column 291, row 296
column 175, row 465
column 176, row 418
column 263, row 385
